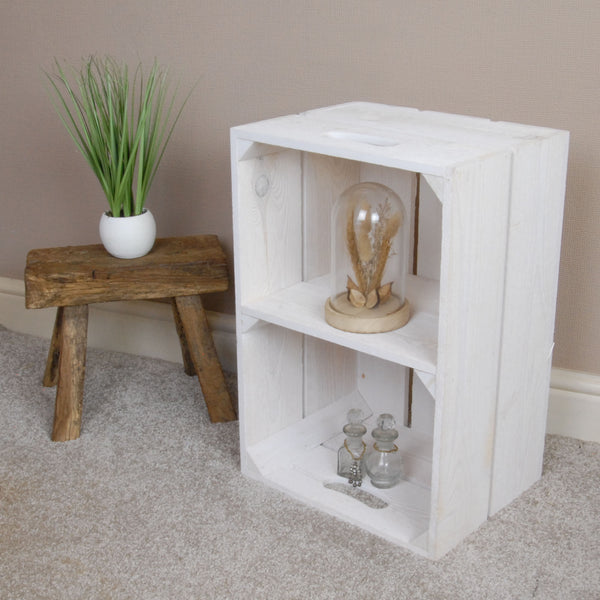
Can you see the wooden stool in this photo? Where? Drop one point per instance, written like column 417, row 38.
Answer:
column 72, row 277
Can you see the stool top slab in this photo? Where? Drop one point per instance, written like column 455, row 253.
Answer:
column 74, row 275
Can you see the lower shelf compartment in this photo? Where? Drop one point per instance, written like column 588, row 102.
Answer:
column 301, row 460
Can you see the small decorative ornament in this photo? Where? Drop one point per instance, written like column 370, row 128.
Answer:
column 351, row 453
column 355, row 475
column 369, row 256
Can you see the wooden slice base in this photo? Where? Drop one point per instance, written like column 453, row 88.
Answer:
column 385, row 317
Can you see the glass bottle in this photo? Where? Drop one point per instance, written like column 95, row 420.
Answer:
column 351, row 454
column 384, row 463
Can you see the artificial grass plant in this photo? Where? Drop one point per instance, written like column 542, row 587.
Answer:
column 120, row 125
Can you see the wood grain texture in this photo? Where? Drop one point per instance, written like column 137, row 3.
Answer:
column 474, row 239
column 538, row 189
column 482, row 328
column 204, row 356
column 188, row 363
column 330, row 372
column 270, row 368
column 387, row 317
column 325, row 178
column 51, row 372
column 69, row 393
column 267, row 224
column 301, row 307
column 75, row 275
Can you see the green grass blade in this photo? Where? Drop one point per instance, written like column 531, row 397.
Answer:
column 121, row 129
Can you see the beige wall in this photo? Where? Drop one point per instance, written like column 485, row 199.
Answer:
column 533, row 62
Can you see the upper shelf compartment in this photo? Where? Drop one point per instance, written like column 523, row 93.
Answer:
column 283, row 203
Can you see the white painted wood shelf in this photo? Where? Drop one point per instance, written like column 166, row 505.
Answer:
column 300, row 308
column 485, row 201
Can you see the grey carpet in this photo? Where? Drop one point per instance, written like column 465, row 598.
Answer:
column 150, row 503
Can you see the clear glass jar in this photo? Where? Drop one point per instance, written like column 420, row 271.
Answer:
column 384, row 462
column 369, row 254
column 352, row 452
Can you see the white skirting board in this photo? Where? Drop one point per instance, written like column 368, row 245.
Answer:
column 147, row 329
column 574, row 405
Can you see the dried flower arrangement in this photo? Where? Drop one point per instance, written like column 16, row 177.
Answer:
column 369, row 239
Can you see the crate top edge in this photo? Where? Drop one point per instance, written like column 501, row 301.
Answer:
column 401, row 137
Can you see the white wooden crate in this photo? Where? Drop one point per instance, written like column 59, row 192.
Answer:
column 489, row 224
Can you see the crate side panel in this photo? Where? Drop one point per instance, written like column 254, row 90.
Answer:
column 270, row 374
column 330, row 373
column 475, row 214
column 384, row 385
column 324, row 179
column 268, row 210
column 404, row 183
column 538, row 190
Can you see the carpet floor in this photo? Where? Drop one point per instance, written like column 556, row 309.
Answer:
column 150, row 503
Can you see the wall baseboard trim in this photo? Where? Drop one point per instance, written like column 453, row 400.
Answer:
column 147, row 329
column 574, row 405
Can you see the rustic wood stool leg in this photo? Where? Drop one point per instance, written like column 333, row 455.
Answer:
column 188, row 363
column 71, row 374
column 51, row 373
column 204, row 356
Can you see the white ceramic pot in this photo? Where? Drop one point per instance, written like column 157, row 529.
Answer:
column 128, row 237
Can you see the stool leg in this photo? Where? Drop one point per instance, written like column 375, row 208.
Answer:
column 51, row 373
column 204, row 356
column 188, row 363
column 71, row 374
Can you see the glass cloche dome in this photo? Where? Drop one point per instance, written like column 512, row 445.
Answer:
column 369, row 253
